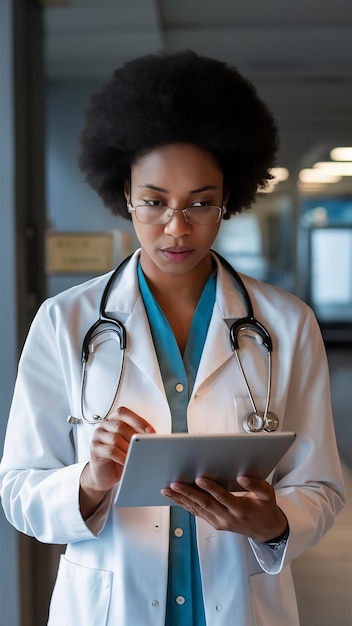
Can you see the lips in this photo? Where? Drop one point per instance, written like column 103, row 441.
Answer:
column 177, row 253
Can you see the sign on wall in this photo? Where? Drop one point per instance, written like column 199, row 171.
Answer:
column 68, row 253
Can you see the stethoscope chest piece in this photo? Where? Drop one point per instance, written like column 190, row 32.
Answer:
column 256, row 421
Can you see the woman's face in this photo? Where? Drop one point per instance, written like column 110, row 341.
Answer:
column 177, row 176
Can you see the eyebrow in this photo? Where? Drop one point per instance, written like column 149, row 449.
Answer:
column 161, row 189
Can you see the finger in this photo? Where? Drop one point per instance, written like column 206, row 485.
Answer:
column 259, row 488
column 172, row 495
column 101, row 453
column 111, row 443
column 115, row 438
column 193, row 496
column 219, row 493
column 179, row 498
column 138, row 423
column 113, row 432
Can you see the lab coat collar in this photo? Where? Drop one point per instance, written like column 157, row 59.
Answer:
column 125, row 292
column 125, row 303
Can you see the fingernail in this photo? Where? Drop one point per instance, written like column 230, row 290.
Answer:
column 176, row 487
column 244, row 481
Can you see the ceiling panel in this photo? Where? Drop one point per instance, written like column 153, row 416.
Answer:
column 298, row 54
column 298, row 49
column 270, row 13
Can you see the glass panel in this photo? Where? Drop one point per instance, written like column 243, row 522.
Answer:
column 260, row 242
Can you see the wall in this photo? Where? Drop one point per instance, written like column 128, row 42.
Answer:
column 71, row 204
column 9, row 591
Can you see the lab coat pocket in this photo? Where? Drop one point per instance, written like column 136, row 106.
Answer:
column 283, row 610
column 81, row 596
column 244, row 408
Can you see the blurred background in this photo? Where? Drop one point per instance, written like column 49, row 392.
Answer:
column 55, row 232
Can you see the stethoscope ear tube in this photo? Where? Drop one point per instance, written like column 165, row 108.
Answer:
column 249, row 322
column 120, row 329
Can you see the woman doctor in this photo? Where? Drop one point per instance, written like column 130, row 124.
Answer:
column 177, row 143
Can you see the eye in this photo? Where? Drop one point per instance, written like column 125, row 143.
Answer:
column 201, row 203
column 152, row 202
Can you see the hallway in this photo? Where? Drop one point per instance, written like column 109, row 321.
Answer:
column 323, row 575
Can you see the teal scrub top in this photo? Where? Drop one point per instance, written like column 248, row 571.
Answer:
column 185, row 605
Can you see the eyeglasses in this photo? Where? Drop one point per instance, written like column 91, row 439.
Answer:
column 157, row 214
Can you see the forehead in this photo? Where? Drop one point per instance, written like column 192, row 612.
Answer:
column 177, row 160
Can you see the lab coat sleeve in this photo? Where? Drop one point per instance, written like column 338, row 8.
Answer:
column 308, row 481
column 39, row 472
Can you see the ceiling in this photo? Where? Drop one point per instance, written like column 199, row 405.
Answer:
column 298, row 53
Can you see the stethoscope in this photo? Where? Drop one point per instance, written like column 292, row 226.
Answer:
column 253, row 422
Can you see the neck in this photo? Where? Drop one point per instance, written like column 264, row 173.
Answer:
column 180, row 289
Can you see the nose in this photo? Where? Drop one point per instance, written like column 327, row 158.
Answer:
column 177, row 225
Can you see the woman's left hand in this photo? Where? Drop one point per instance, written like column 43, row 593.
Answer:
column 253, row 513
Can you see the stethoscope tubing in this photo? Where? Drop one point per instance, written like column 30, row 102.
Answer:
column 99, row 418
column 255, row 421
column 119, row 327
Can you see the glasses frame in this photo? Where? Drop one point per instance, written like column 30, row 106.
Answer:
column 221, row 212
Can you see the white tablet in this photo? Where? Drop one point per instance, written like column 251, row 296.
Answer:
column 155, row 461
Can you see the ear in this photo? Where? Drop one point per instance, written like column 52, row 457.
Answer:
column 127, row 190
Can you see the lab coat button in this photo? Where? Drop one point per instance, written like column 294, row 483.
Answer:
column 178, row 532
column 180, row 600
column 179, row 387
column 218, row 608
column 155, row 603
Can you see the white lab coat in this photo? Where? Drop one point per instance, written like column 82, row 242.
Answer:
column 114, row 571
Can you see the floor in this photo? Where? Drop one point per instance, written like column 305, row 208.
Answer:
column 323, row 575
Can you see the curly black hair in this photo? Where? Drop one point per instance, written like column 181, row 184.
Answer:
column 182, row 97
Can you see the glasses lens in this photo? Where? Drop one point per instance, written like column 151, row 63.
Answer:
column 203, row 214
column 148, row 214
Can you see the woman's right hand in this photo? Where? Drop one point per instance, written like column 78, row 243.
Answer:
column 108, row 451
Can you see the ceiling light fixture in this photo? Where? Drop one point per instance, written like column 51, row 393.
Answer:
column 341, row 154
column 318, row 176
column 335, row 168
column 280, row 173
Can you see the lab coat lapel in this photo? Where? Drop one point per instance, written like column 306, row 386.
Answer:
column 125, row 303
column 229, row 306
column 140, row 346
column 217, row 349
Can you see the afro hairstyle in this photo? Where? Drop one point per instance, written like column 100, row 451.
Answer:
column 182, row 97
